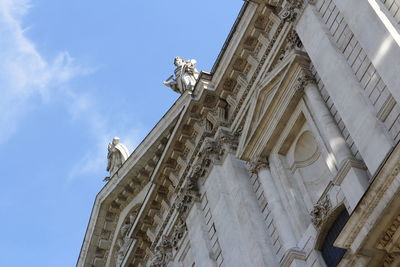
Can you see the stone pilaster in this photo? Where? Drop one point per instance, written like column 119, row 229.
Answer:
column 344, row 90
column 280, row 216
column 380, row 41
column 199, row 240
column 237, row 217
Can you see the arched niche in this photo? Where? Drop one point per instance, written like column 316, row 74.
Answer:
column 310, row 165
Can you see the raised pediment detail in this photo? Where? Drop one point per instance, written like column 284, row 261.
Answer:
column 271, row 100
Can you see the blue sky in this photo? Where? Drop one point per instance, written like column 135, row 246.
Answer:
column 73, row 74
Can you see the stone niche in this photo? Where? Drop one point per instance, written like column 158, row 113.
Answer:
column 301, row 162
column 307, row 165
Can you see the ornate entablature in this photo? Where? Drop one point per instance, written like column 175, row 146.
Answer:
column 261, row 109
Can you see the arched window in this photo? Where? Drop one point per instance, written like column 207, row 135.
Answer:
column 332, row 255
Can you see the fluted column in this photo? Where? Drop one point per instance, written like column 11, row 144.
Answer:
column 326, row 124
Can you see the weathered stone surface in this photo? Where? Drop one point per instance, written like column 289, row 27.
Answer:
column 297, row 122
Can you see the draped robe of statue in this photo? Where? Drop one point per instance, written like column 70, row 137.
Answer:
column 186, row 76
column 117, row 154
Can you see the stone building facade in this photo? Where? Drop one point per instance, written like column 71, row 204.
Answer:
column 285, row 154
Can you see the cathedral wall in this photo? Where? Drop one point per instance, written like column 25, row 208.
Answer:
column 334, row 112
column 344, row 88
column 300, row 177
column 345, row 54
column 375, row 89
column 270, row 217
column 393, row 7
column 265, row 165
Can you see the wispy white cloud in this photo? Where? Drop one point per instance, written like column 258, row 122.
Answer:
column 28, row 79
column 24, row 72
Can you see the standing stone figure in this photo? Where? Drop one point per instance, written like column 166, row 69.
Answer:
column 117, row 154
column 186, row 76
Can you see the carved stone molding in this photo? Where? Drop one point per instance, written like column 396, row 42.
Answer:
column 291, row 255
column 346, row 167
column 256, row 73
column 294, row 39
column 389, row 233
column 214, row 150
column 261, row 163
column 305, row 78
column 162, row 254
column 229, row 141
column 183, row 203
column 124, row 240
column 188, row 194
column 391, row 260
column 321, row 209
column 293, row 42
column 275, row 3
column 179, row 230
column 290, row 9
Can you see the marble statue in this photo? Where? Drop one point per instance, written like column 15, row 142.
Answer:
column 117, row 154
column 186, row 76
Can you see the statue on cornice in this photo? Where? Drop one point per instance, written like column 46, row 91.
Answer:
column 186, row 76
column 117, row 154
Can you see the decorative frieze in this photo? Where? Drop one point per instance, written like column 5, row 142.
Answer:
column 293, row 42
column 274, row 3
column 162, row 254
column 389, row 233
column 256, row 73
column 179, row 231
column 290, row 9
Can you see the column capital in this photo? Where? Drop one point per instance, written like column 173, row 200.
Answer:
column 260, row 163
column 304, row 79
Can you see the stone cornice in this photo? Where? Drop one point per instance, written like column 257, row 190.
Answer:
column 384, row 187
column 345, row 168
column 291, row 255
column 391, row 233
